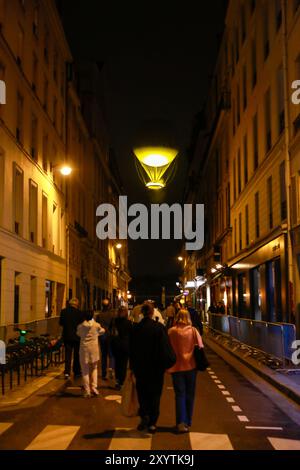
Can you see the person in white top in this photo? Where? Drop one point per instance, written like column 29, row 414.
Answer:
column 88, row 332
column 157, row 316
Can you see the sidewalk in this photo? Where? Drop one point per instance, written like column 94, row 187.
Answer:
column 286, row 382
column 25, row 390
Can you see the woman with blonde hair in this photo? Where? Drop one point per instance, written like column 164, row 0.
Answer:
column 183, row 337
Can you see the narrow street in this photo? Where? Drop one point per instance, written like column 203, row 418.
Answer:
column 230, row 414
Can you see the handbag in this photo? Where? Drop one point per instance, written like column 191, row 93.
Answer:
column 200, row 357
column 129, row 402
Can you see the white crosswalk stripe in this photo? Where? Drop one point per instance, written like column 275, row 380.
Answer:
column 204, row 441
column 284, row 444
column 127, row 438
column 4, row 427
column 54, row 437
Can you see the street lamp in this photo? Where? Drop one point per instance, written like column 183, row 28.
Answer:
column 119, row 246
column 180, row 258
column 66, row 170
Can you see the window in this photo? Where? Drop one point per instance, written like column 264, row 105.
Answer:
column 237, row 45
column 278, row 14
column 44, row 221
column 19, row 126
column 270, row 201
column 283, row 198
column 33, row 211
column 257, row 214
column 234, row 179
column 255, row 142
column 243, row 22
column 54, row 112
column 20, row 46
column 35, row 66
column 46, row 46
column 280, row 97
column 34, row 134
column 240, row 231
column 247, row 224
column 268, row 120
column 35, row 23
column 239, row 172
column 55, row 60
column 238, row 106
column 266, row 31
column 254, row 64
column 45, row 97
column 18, row 199
column 235, row 237
column 45, row 153
column 245, row 144
column 228, row 204
column 245, row 87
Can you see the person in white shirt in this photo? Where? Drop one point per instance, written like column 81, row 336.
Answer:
column 157, row 316
column 88, row 332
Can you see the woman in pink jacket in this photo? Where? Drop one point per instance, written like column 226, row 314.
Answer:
column 183, row 338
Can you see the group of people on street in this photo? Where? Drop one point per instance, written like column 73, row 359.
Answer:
column 143, row 342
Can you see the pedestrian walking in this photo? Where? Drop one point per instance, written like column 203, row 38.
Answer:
column 150, row 355
column 170, row 314
column 105, row 318
column 183, row 337
column 119, row 339
column 195, row 318
column 70, row 318
column 89, row 331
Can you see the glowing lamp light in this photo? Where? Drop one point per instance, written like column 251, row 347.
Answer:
column 180, row 258
column 155, row 185
column 155, row 165
column 182, row 301
column 66, row 170
column 213, row 270
column 119, row 246
column 155, row 157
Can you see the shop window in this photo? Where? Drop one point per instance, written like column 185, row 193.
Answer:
column 242, row 303
column 255, row 289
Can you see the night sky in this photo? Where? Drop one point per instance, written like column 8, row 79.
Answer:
column 159, row 58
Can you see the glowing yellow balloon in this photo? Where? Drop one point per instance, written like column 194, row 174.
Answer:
column 155, row 161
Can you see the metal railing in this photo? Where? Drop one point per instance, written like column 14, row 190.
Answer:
column 274, row 339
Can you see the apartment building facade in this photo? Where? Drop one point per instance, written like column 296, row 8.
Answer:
column 48, row 246
column 246, row 158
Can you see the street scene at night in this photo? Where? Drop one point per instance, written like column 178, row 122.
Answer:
column 149, row 229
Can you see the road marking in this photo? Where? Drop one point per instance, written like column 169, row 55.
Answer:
column 170, row 388
column 236, row 408
column 4, row 427
column 230, row 400
column 225, row 392
column 113, row 397
column 214, row 376
column 209, row 368
column 221, row 387
column 54, row 438
column 128, row 438
column 203, row 441
column 243, row 419
column 217, row 381
column 269, row 428
column 284, row 444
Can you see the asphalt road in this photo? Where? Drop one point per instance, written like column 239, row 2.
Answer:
column 230, row 414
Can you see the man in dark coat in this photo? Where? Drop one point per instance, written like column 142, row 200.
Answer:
column 150, row 354
column 105, row 317
column 70, row 318
column 195, row 318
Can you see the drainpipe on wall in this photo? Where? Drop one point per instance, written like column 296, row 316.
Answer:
column 289, row 251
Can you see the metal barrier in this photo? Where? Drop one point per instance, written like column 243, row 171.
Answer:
column 30, row 358
column 274, row 339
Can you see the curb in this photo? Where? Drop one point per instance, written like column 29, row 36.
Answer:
column 261, row 371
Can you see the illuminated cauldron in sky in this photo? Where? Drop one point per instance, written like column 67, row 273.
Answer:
column 156, row 154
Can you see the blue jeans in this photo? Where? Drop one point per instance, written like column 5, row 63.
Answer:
column 184, row 383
